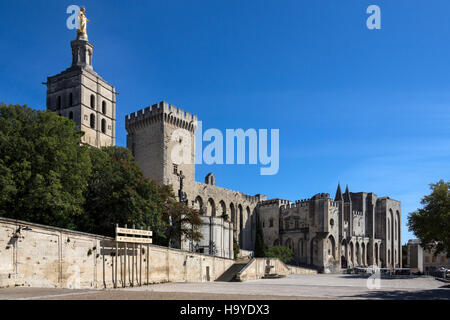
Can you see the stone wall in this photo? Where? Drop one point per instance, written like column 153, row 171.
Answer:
column 43, row 256
column 256, row 269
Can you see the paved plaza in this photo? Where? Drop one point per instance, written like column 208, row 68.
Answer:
column 321, row 286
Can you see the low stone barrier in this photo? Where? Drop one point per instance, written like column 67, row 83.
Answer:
column 41, row 256
column 257, row 268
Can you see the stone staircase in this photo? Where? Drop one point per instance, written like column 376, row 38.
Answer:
column 231, row 272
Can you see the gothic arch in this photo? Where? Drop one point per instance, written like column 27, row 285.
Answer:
column 92, row 121
column 241, row 225
column 376, row 255
column 103, row 125
column 363, row 254
column 358, row 254
column 352, row 253
column 211, row 208
column 289, row 243
column 223, row 208
column 233, row 216
column 248, row 219
column 301, row 249
column 331, row 247
column 391, row 244
column 344, row 254
column 313, row 250
column 198, row 204
column 399, row 244
column 92, row 101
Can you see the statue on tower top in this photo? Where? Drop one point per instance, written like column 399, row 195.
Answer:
column 82, row 23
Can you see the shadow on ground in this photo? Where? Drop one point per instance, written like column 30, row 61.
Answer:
column 384, row 277
column 431, row 294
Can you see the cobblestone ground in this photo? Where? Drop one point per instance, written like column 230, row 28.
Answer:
column 292, row 287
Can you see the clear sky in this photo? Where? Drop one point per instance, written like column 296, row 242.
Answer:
column 368, row 108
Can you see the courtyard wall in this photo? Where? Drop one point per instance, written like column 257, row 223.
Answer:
column 44, row 256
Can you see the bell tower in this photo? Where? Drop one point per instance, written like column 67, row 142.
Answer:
column 81, row 95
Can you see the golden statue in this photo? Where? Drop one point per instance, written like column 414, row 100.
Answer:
column 82, row 24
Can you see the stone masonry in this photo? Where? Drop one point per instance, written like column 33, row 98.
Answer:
column 354, row 229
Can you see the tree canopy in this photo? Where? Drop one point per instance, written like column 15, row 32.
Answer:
column 431, row 224
column 118, row 193
column 48, row 176
column 281, row 252
column 44, row 170
column 179, row 220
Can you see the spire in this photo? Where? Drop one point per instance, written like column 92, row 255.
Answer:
column 347, row 197
column 338, row 196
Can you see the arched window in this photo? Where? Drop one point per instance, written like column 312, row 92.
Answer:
column 395, row 230
column 92, row 101
column 389, row 229
column 92, row 121
column 59, row 103
column 103, row 125
column 223, row 211
column 71, row 115
column 104, row 107
column 211, row 208
column 70, row 99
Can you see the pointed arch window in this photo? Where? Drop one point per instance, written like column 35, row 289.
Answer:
column 92, row 101
column 103, row 125
column 92, row 122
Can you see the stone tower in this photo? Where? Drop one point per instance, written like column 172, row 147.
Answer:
column 80, row 94
column 159, row 137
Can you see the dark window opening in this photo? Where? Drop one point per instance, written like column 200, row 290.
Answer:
column 92, row 101
column 92, row 121
column 104, row 107
column 103, row 125
column 70, row 99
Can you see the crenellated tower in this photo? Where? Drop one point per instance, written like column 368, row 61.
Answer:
column 162, row 141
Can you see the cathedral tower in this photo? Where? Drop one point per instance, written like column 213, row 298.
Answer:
column 80, row 94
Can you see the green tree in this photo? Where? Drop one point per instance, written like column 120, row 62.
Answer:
column 431, row 224
column 44, row 169
column 281, row 252
column 235, row 248
column 118, row 193
column 260, row 246
column 179, row 220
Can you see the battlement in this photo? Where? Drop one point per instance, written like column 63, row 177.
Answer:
column 161, row 112
column 305, row 202
column 274, row 203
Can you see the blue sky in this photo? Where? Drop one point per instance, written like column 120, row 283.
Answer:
column 368, row 108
